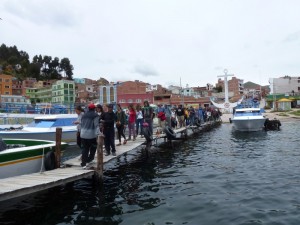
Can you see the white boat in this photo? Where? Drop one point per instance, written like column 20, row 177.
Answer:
column 248, row 119
column 44, row 128
column 25, row 156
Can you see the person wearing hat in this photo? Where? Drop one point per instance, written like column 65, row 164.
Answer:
column 88, row 134
column 108, row 119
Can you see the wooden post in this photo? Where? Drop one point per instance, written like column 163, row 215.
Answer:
column 58, row 146
column 100, row 142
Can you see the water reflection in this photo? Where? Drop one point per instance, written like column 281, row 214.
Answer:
column 248, row 136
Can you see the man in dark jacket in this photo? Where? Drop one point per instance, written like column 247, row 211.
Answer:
column 108, row 119
column 88, row 135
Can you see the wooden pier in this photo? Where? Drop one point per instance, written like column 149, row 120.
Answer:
column 71, row 170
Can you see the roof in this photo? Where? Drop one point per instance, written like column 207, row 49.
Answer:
column 285, row 100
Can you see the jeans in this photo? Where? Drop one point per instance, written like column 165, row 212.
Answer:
column 109, row 139
column 139, row 126
column 89, row 147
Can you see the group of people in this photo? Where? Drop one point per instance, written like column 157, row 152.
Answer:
column 184, row 116
column 98, row 119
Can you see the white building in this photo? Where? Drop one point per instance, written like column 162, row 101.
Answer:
column 285, row 85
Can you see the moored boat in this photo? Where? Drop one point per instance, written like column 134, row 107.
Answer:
column 25, row 156
column 44, row 128
column 248, row 119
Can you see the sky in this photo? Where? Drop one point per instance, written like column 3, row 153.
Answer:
column 168, row 42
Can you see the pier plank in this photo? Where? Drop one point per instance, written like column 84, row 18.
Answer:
column 30, row 183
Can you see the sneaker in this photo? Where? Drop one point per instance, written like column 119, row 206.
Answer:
column 84, row 167
column 107, row 154
column 114, row 154
column 118, row 144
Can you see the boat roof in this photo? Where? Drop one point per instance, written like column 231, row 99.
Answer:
column 57, row 116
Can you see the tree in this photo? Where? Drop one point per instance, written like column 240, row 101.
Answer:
column 66, row 68
column 17, row 63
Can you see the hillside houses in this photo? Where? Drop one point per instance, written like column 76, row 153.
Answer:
column 81, row 91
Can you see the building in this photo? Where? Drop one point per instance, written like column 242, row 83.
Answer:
column 43, row 95
column 285, row 85
column 43, row 83
column 283, row 88
column 63, row 92
column 88, row 90
column 133, row 92
column 17, row 86
column 28, row 83
column 31, row 94
column 235, row 86
column 5, row 84
column 161, row 95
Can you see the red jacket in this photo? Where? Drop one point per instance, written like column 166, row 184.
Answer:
column 132, row 116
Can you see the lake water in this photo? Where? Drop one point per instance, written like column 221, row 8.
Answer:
column 218, row 177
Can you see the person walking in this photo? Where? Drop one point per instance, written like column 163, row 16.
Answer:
column 79, row 111
column 120, row 124
column 139, row 120
column 108, row 119
column 180, row 116
column 200, row 114
column 131, row 122
column 192, row 114
column 148, row 115
column 168, row 115
column 160, row 112
column 88, row 134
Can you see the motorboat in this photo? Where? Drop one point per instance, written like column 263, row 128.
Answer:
column 25, row 156
column 248, row 119
column 44, row 128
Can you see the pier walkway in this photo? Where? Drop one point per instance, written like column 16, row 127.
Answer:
column 71, row 170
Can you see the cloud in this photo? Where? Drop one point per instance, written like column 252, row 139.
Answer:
column 51, row 13
column 292, row 37
column 145, row 70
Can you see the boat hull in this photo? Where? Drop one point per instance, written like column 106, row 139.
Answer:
column 248, row 124
column 67, row 136
column 25, row 160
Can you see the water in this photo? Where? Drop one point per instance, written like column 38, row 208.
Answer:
column 218, row 177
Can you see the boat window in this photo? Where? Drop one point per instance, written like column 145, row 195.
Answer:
column 46, row 123
column 248, row 113
column 64, row 122
column 41, row 123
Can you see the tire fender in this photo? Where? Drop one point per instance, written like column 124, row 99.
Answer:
column 49, row 161
column 170, row 133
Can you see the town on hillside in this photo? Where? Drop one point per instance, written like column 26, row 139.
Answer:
column 62, row 96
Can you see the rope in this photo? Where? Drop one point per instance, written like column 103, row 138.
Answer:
column 42, row 166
